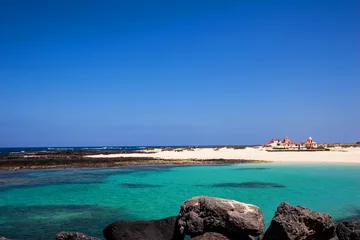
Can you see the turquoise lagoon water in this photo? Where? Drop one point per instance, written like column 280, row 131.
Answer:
column 37, row 204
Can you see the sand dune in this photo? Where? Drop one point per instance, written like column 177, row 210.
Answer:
column 336, row 155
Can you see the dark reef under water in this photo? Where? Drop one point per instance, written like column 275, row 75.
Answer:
column 244, row 185
column 44, row 221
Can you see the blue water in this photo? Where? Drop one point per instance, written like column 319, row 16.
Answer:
column 22, row 150
column 36, row 204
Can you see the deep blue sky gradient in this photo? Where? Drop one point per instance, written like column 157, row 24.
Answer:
column 178, row 72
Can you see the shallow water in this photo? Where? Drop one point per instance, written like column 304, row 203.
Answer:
column 37, row 204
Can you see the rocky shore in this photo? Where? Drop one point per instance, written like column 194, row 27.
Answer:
column 209, row 218
column 80, row 159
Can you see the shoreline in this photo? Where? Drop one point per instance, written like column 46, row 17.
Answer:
column 80, row 159
column 174, row 156
column 333, row 155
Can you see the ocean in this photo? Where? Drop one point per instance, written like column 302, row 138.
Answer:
column 37, row 204
column 22, row 150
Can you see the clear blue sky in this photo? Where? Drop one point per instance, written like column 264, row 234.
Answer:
column 178, row 72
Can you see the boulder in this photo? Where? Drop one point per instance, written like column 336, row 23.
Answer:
column 73, row 236
column 299, row 223
column 162, row 229
column 348, row 230
column 199, row 215
column 210, row 236
column 3, row 238
column 218, row 236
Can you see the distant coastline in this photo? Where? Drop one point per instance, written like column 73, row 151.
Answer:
column 338, row 154
column 104, row 157
column 88, row 159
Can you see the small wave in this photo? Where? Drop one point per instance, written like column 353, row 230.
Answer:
column 94, row 148
column 60, row 148
column 16, row 152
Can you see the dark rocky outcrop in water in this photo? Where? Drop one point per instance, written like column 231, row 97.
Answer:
column 199, row 215
column 209, row 218
column 79, row 159
column 73, row 236
column 348, row 230
column 162, row 229
column 299, row 223
column 2, row 238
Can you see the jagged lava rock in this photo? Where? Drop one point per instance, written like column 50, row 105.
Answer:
column 348, row 230
column 73, row 236
column 219, row 236
column 211, row 236
column 201, row 214
column 162, row 229
column 299, row 223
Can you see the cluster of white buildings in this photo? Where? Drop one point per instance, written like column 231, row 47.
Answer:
column 287, row 144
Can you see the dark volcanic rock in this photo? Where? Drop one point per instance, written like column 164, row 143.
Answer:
column 299, row 223
column 78, row 158
column 218, row 236
column 162, row 229
column 211, row 236
column 348, row 230
column 228, row 217
column 73, row 236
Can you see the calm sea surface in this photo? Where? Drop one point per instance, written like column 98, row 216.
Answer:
column 37, row 204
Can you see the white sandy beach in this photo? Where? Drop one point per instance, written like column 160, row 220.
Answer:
column 336, row 155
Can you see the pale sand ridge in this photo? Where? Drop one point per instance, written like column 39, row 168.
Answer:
column 336, row 155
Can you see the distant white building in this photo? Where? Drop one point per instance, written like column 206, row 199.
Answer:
column 286, row 143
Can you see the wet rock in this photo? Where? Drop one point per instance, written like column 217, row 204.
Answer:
column 2, row 238
column 162, row 229
column 73, row 236
column 199, row 215
column 299, row 223
column 348, row 230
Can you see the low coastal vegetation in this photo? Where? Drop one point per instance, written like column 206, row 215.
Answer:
column 237, row 147
column 341, row 145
